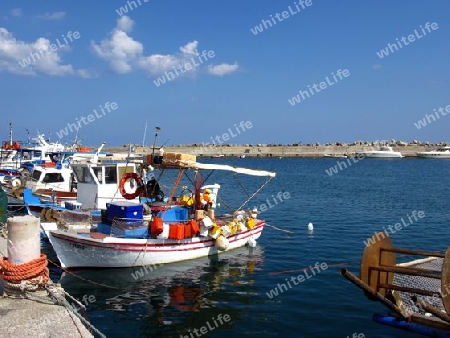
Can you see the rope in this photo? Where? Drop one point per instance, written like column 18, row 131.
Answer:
column 28, row 275
column 55, row 291
column 221, row 200
column 253, row 195
column 175, row 186
column 289, row 232
column 4, row 232
column 87, row 280
column 309, row 268
column 242, row 186
column 329, row 266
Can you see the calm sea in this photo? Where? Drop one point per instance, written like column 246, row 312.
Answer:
column 346, row 208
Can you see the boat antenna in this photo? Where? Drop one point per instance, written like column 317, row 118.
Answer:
column 145, row 132
column 95, row 158
column 157, row 130
column 10, row 134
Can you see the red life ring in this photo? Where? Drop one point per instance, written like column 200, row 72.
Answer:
column 137, row 192
column 6, row 145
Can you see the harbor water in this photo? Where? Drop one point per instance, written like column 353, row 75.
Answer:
column 251, row 292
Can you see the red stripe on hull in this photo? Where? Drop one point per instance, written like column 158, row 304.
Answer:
column 210, row 242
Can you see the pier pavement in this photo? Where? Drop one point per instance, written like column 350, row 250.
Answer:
column 33, row 318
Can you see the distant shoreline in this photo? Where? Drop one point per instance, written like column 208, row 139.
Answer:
column 310, row 151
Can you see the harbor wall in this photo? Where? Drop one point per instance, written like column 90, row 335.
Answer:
column 274, row 151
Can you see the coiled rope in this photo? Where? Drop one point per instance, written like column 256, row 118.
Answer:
column 25, row 277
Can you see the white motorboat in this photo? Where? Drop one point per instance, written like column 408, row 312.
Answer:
column 336, row 155
column 443, row 152
column 383, row 152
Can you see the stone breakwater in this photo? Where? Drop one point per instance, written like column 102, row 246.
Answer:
column 274, row 151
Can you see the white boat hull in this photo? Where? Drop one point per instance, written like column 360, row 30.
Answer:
column 433, row 155
column 80, row 250
column 376, row 154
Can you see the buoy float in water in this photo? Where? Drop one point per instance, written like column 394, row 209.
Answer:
column 251, row 242
column 310, row 227
column 222, row 243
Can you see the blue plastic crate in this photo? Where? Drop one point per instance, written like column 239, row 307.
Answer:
column 173, row 214
column 124, row 210
column 113, row 231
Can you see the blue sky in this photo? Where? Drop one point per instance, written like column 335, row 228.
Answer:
column 250, row 78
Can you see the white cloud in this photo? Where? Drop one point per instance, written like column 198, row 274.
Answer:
column 222, row 69
column 52, row 16
column 125, row 24
column 120, row 50
column 17, row 12
column 124, row 54
column 190, row 48
column 377, row 67
column 85, row 74
column 16, row 57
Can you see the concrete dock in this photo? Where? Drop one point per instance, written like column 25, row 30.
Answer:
column 34, row 318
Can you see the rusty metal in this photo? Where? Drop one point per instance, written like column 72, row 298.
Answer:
column 416, row 252
column 430, row 321
column 431, row 309
column 367, row 288
column 445, row 281
column 409, row 271
column 406, row 289
column 372, row 257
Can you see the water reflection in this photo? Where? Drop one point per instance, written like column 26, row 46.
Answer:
column 171, row 299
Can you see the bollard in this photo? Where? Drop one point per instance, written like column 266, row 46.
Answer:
column 24, row 244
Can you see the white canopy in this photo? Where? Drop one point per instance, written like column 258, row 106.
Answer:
column 253, row 172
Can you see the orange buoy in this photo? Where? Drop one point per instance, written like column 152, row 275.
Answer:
column 156, row 227
column 195, row 229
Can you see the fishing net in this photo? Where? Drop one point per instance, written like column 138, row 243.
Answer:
column 404, row 299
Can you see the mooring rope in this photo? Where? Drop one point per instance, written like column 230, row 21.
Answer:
column 25, row 277
column 88, row 280
column 289, row 232
column 55, row 292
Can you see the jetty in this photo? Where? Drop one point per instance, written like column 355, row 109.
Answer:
column 37, row 314
column 288, row 150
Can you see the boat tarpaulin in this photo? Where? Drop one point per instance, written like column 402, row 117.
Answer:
column 246, row 171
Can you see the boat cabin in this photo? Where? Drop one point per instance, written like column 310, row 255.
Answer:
column 98, row 183
column 48, row 176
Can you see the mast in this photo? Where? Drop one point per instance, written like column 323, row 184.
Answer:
column 145, row 132
column 10, row 134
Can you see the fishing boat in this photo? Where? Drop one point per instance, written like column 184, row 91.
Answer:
column 217, row 156
column 416, row 292
column 137, row 228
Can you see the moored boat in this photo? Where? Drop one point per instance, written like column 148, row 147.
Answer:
column 383, row 152
column 139, row 228
column 443, row 152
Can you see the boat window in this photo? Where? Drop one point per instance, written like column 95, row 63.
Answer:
column 110, row 174
column 53, row 178
column 124, row 170
column 36, row 175
column 98, row 174
column 83, row 174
